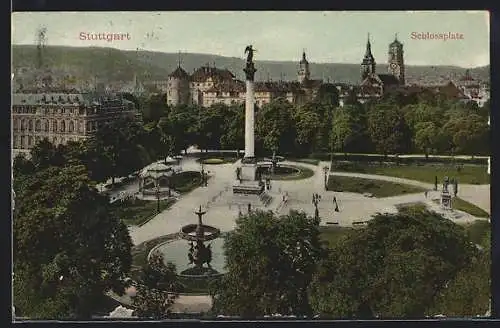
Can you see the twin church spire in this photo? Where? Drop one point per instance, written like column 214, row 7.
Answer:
column 395, row 60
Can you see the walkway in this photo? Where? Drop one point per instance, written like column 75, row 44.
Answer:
column 353, row 207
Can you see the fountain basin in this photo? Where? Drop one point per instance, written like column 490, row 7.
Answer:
column 175, row 251
column 188, row 232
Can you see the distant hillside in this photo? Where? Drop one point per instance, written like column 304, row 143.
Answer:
column 117, row 65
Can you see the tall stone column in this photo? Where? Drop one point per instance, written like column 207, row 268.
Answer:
column 249, row 120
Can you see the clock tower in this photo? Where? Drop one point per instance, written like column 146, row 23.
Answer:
column 396, row 61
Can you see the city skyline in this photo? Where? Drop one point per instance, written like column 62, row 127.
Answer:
column 277, row 36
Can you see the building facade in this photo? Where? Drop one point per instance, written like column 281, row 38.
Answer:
column 474, row 89
column 208, row 85
column 63, row 117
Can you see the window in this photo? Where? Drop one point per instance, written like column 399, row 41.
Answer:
column 62, row 126
column 38, row 126
column 30, row 125
column 71, row 126
column 54, row 125
column 46, row 126
column 30, row 141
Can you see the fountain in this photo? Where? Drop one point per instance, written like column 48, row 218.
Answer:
column 203, row 261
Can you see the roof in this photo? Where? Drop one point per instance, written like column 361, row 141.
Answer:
column 179, row 73
column 64, row 99
column 312, row 84
column 277, row 86
column 156, row 170
column 21, row 99
column 395, row 43
column 205, row 72
column 388, row 79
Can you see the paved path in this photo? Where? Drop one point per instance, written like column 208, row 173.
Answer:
column 353, row 207
column 475, row 194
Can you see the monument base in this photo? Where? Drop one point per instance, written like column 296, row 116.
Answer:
column 248, row 187
column 248, row 182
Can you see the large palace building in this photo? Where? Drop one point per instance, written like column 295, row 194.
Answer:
column 210, row 85
column 62, row 117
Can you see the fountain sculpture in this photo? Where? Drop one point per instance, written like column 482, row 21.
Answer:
column 199, row 254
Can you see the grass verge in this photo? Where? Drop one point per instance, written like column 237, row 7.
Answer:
column 462, row 205
column 136, row 212
column 311, row 161
column 469, row 174
column 302, row 173
column 377, row 188
column 216, row 160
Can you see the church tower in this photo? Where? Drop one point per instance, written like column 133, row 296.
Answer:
column 368, row 64
column 396, row 61
column 304, row 74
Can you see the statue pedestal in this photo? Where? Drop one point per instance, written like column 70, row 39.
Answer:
column 248, row 184
column 446, row 200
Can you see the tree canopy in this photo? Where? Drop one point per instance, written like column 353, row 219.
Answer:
column 68, row 248
column 269, row 264
column 392, row 268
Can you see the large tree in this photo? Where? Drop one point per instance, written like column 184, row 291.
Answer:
column 275, row 128
column 157, row 289
column 68, row 247
column 182, row 125
column 270, row 262
column 469, row 293
column 348, row 130
column 309, row 126
column 233, row 136
column 469, row 134
column 388, row 130
column 394, row 267
column 116, row 150
column 45, row 154
column 426, row 137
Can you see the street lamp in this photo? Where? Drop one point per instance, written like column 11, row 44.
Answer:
column 157, row 196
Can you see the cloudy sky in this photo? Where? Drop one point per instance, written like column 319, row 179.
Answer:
column 327, row 37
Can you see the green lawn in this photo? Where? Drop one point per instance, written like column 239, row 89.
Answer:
column 303, row 173
column 186, row 181
column 469, row 174
column 378, row 188
column 217, row 160
column 311, row 161
column 136, row 212
column 462, row 205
